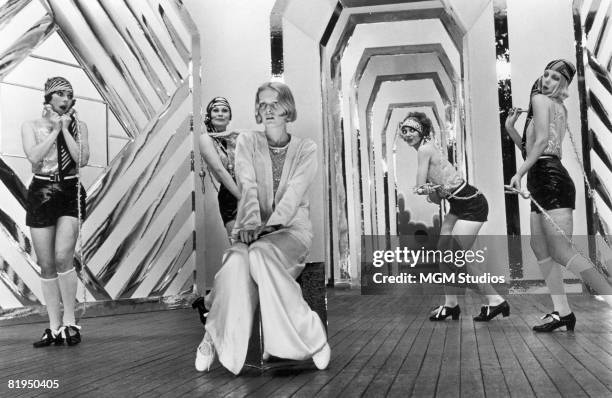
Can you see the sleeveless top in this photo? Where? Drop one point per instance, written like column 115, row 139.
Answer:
column 557, row 126
column 442, row 172
column 48, row 165
column 225, row 145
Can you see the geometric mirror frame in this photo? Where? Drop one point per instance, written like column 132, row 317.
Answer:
column 142, row 60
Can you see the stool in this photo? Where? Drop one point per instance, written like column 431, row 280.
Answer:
column 312, row 282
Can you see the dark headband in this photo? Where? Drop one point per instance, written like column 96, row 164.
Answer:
column 564, row 67
column 216, row 102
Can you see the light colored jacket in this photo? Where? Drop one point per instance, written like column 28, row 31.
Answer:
column 258, row 206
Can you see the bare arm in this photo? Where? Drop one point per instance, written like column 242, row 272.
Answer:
column 424, row 154
column 33, row 151
column 513, row 115
column 211, row 157
column 541, row 104
column 73, row 146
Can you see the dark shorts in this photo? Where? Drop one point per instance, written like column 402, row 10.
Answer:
column 473, row 209
column 550, row 185
column 48, row 201
column 228, row 205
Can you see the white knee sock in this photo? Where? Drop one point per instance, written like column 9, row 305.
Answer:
column 68, row 287
column 51, row 294
column 578, row 263
column 553, row 276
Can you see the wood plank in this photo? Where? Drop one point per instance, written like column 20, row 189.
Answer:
column 492, row 375
column 370, row 377
column 387, row 374
column 381, row 346
column 408, row 372
column 471, row 380
column 449, row 380
column 588, row 382
column 539, row 381
column 371, row 341
column 562, row 379
column 516, row 380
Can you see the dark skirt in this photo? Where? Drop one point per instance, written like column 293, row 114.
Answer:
column 228, row 204
column 550, row 185
column 49, row 200
column 473, row 209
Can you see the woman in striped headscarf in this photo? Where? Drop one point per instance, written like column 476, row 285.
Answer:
column 217, row 148
column 57, row 146
column 551, row 186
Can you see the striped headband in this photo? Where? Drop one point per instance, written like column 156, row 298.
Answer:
column 564, row 67
column 216, row 102
column 413, row 124
column 57, row 83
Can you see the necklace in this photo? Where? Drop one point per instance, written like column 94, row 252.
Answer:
column 279, row 149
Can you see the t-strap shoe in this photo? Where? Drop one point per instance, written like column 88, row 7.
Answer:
column 488, row 312
column 442, row 312
column 205, row 354
column 47, row 339
column 556, row 321
column 72, row 333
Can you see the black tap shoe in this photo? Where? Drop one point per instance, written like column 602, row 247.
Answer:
column 569, row 321
column 198, row 304
column 47, row 339
column 442, row 312
column 488, row 312
column 72, row 334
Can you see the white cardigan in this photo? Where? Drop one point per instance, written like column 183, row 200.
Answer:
column 290, row 208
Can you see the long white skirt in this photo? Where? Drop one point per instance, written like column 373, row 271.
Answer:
column 263, row 272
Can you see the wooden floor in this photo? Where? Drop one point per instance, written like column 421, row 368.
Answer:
column 381, row 346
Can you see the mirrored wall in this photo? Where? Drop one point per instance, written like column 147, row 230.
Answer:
column 381, row 62
column 133, row 66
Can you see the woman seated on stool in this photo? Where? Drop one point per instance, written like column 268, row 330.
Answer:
column 273, row 234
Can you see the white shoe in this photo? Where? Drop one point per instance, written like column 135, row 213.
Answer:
column 322, row 357
column 205, row 354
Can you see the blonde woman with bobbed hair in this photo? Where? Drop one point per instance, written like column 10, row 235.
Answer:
column 274, row 170
column 550, row 184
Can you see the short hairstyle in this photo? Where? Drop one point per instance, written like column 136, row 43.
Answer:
column 285, row 100
column 423, row 121
column 562, row 91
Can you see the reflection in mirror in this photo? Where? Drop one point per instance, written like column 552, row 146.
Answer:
column 413, row 214
column 134, row 68
column 381, row 63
